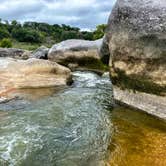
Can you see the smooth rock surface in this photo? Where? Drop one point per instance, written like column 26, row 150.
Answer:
column 152, row 104
column 32, row 73
column 74, row 51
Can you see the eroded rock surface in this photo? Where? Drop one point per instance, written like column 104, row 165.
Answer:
column 136, row 38
column 78, row 53
column 152, row 104
column 41, row 53
column 32, row 73
column 11, row 52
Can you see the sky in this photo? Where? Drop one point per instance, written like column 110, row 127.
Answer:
column 85, row 14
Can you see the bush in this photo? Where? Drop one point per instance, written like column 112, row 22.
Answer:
column 27, row 35
column 100, row 31
column 4, row 33
column 70, row 35
column 6, row 43
column 87, row 35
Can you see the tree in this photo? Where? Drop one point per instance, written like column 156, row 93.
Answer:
column 27, row 35
column 35, row 32
column 87, row 35
column 14, row 23
column 100, row 31
column 70, row 35
column 4, row 33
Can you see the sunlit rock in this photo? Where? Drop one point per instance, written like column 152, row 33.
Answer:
column 33, row 73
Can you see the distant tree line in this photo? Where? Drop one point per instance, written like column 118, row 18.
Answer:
column 34, row 32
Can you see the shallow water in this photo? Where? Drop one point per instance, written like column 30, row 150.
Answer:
column 64, row 128
column 138, row 140
column 76, row 126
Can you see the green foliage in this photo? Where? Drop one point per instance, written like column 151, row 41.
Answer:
column 87, row 35
column 26, row 45
column 4, row 33
column 100, row 31
column 35, row 33
column 26, row 35
column 6, row 43
column 70, row 35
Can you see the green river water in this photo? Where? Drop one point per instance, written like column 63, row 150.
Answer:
column 77, row 126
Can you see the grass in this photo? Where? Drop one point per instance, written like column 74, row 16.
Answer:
column 29, row 46
column 25, row 46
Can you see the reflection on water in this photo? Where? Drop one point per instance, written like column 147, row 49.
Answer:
column 35, row 94
column 139, row 139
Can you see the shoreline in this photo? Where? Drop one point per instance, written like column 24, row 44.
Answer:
column 148, row 103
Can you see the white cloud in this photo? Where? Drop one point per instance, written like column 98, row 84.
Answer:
column 82, row 13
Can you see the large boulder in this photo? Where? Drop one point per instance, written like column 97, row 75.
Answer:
column 76, row 53
column 41, row 53
column 136, row 38
column 32, row 73
column 11, row 52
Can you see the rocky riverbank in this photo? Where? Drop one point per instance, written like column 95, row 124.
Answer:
column 136, row 43
column 152, row 104
column 31, row 73
column 44, row 67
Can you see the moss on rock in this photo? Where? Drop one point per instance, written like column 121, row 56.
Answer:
column 88, row 62
column 136, row 83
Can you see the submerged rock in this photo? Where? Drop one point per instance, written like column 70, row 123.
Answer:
column 32, row 73
column 136, row 38
column 79, row 53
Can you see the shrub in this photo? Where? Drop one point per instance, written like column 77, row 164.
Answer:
column 27, row 35
column 70, row 35
column 99, row 32
column 6, row 43
column 4, row 33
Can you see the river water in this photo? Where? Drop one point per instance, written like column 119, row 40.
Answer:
column 77, row 126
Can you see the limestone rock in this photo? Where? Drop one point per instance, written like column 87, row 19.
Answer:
column 41, row 53
column 11, row 52
column 80, row 52
column 152, row 104
column 136, row 38
column 26, row 55
column 31, row 73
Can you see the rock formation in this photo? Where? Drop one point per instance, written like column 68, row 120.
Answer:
column 136, row 38
column 77, row 53
column 11, row 52
column 32, row 73
column 41, row 53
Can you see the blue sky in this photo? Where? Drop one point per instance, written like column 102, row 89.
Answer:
column 85, row 14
